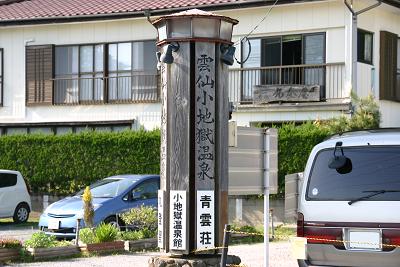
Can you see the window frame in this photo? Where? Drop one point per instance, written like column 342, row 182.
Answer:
column 362, row 60
column 281, row 37
column 106, row 73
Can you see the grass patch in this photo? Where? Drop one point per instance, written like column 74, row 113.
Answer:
column 281, row 233
column 32, row 221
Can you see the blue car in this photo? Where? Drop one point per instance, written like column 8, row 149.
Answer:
column 111, row 196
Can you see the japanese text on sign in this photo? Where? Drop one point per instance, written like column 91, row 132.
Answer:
column 205, row 219
column 205, row 116
column 177, row 231
column 160, row 219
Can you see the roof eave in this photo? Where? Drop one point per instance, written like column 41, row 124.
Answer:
column 137, row 14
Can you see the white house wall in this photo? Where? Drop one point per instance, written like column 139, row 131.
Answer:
column 12, row 40
column 331, row 17
column 383, row 18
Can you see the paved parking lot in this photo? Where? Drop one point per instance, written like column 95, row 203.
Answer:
column 251, row 255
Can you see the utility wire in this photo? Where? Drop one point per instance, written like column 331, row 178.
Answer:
column 258, row 25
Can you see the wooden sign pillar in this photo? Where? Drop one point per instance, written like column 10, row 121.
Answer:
column 193, row 200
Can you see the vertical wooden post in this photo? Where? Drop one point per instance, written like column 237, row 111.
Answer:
column 194, row 130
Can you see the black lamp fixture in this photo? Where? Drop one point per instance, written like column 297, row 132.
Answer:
column 167, row 57
column 228, row 54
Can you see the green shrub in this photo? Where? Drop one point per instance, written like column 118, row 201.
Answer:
column 102, row 233
column 63, row 164
column 105, row 233
column 142, row 217
column 41, row 240
column 86, row 235
column 10, row 243
column 131, row 235
column 294, row 146
column 365, row 116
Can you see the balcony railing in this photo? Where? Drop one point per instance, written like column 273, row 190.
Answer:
column 139, row 87
column 330, row 78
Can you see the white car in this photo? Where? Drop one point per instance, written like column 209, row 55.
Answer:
column 15, row 201
column 350, row 201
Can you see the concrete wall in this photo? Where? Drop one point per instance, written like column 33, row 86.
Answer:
column 244, row 211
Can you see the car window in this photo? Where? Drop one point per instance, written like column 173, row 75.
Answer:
column 7, row 179
column 373, row 169
column 145, row 190
column 108, row 188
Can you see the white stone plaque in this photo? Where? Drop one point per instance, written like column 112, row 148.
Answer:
column 177, row 221
column 160, row 219
column 205, row 219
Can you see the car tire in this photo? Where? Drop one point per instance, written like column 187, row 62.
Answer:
column 21, row 213
column 113, row 221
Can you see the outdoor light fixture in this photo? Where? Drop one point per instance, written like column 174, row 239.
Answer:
column 194, row 25
column 167, row 57
column 158, row 55
column 227, row 54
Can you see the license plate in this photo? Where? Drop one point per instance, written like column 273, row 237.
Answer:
column 54, row 224
column 365, row 240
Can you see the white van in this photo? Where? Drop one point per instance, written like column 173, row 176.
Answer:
column 349, row 203
column 15, row 201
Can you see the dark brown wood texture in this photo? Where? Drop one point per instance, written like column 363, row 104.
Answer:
column 39, row 74
column 388, row 67
column 221, row 162
column 179, row 139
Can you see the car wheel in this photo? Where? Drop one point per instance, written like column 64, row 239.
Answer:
column 21, row 213
column 113, row 221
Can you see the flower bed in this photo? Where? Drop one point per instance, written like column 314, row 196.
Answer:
column 46, row 253
column 7, row 254
column 103, row 247
column 9, row 249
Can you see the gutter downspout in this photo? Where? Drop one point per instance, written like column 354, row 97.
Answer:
column 354, row 38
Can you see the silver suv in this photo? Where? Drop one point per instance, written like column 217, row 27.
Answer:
column 349, row 203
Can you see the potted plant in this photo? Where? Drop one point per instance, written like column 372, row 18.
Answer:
column 144, row 221
column 100, row 239
column 9, row 249
column 42, row 246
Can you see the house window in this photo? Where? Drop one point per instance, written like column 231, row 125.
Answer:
column 92, row 73
column 132, row 71
column 364, row 46
column 1, row 76
column 291, row 59
column 79, row 74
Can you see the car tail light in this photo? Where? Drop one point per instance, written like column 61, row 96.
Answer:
column 300, row 224
column 323, row 235
column 390, row 237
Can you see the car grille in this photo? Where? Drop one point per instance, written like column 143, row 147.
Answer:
column 60, row 215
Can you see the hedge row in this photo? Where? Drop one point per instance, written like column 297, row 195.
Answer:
column 62, row 164
column 294, row 146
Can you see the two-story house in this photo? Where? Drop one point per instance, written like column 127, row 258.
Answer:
column 72, row 65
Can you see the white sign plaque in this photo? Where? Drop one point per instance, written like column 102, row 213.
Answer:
column 205, row 219
column 160, row 219
column 177, row 221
